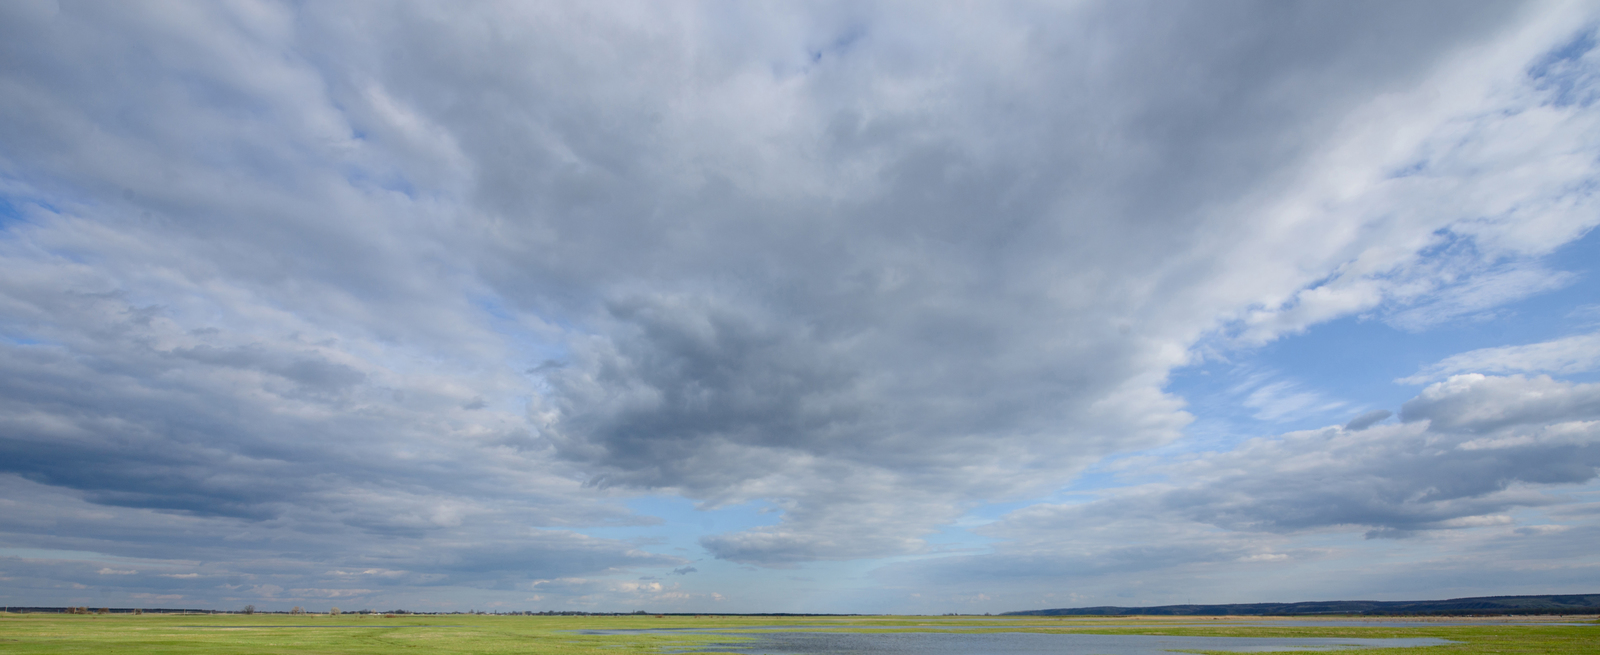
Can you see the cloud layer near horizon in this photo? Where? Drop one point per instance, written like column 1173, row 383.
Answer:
column 429, row 292
column 1474, row 453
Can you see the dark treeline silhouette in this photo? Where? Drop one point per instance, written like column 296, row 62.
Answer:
column 1565, row 604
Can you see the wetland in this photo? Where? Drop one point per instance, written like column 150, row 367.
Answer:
column 41, row 634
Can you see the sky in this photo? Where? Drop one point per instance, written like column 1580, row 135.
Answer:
column 872, row 307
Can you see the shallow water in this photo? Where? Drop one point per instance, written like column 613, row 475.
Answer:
column 1162, row 622
column 1020, row 643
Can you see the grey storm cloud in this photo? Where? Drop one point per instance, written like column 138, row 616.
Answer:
column 429, row 289
column 896, row 331
column 1476, row 403
column 1367, row 420
column 1244, row 509
column 1403, row 478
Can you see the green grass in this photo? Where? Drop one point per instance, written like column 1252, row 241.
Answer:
column 29, row 634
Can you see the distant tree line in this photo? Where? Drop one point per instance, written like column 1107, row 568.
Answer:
column 1486, row 605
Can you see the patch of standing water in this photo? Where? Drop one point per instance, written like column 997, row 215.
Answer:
column 1022, row 643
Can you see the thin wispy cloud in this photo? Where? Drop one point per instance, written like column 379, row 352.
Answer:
column 1567, row 355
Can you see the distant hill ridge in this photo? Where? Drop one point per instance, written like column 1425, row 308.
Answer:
column 1564, row 604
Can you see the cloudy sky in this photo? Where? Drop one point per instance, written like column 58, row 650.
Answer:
column 838, row 307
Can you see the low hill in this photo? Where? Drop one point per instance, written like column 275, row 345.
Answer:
column 1568, row 604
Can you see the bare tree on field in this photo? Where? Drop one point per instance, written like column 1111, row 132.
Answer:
column 333, row 612
column 298, row 610
column 249, row 609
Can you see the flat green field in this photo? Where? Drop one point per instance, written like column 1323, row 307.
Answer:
column 316, row 634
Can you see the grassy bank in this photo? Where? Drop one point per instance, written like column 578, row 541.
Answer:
column 30, row 634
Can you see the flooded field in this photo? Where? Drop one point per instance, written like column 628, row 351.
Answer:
column 1015, row 643
column 52, row 634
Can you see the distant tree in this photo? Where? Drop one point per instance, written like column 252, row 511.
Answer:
column 249, row 609
column 104, row 610
column 298, row 610
column 333, row 612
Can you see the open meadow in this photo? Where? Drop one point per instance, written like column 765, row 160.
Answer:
column 40, row 634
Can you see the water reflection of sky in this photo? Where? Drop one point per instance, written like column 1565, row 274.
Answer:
column 1156, row 623
column 1020, row 643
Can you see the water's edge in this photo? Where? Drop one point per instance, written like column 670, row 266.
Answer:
column 790, row 642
